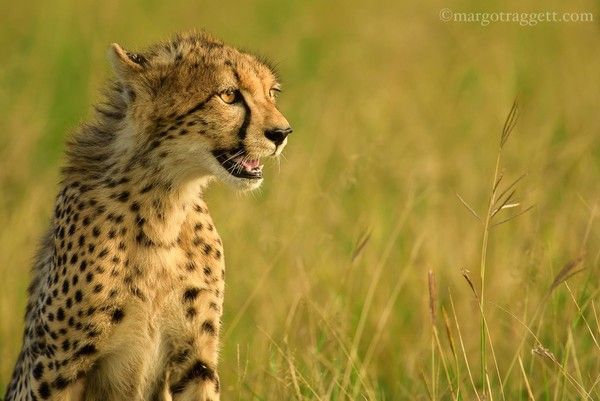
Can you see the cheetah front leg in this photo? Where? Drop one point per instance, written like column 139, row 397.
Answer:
column 134, row 363
column 193, row 362
column 195, row 381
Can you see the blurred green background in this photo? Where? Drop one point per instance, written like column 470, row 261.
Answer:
column 394, row 113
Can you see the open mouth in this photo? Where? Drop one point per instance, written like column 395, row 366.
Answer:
column 239, row 164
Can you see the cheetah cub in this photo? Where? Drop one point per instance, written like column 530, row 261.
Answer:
column 127, row 293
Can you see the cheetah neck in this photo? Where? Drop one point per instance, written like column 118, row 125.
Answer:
column 161, row 209
column 157, row 207
column 125, row 180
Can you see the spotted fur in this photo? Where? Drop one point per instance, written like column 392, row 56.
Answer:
column 127, row 290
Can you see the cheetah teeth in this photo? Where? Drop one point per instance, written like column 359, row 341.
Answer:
column 249, row 164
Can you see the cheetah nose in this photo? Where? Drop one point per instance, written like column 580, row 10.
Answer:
column 278, row 135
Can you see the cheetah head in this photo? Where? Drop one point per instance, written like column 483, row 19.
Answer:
column 199, row 108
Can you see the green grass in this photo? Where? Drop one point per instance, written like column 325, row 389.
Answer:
column 328, row 288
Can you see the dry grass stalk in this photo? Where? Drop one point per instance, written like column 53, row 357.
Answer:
column 385, row 315
column 582, row 316
column 449, row 332
column 435, row 340
column 509, row 123
column 450, row 338
column 469, row 207
column 462, row 347
column 363, row 239
column 467, row 277
column 432, row 296
column 498, row 201
column 526, row 380
column 569, row 270
column 371, row 292
column 547, row 355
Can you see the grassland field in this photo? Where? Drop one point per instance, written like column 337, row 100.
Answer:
column 355, row 272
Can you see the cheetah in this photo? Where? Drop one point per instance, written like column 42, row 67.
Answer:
column 127, row 291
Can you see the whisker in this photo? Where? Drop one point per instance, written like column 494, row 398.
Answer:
column 240, row 165
column 236, row 154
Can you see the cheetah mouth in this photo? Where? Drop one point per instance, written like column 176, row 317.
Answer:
column 239, row 164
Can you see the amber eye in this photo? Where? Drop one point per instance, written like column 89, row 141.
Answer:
column 228, row 96
column 274, row 92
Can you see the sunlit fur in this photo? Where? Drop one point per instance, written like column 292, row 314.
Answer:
column 173, row 78
column 127, row 293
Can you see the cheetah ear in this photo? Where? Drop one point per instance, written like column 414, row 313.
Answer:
column 126, row 64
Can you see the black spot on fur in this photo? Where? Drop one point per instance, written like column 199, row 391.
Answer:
column 38, row 371
column 60, row 382
column 87, row 349
column 138, row 293
column 44, row 391
column 143, row 239
column 190, row 313
column 147, row 188
column 209, row 328
column 123, row 196
column 117, row 315
column 191, row 294
column 139, row 220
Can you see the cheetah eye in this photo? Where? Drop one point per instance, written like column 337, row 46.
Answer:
column 229, row 96
column 274, row 92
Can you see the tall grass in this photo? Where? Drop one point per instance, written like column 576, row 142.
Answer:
column 355, row 273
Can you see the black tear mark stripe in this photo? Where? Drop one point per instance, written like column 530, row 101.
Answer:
column 247, row 116
column 198, row 371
